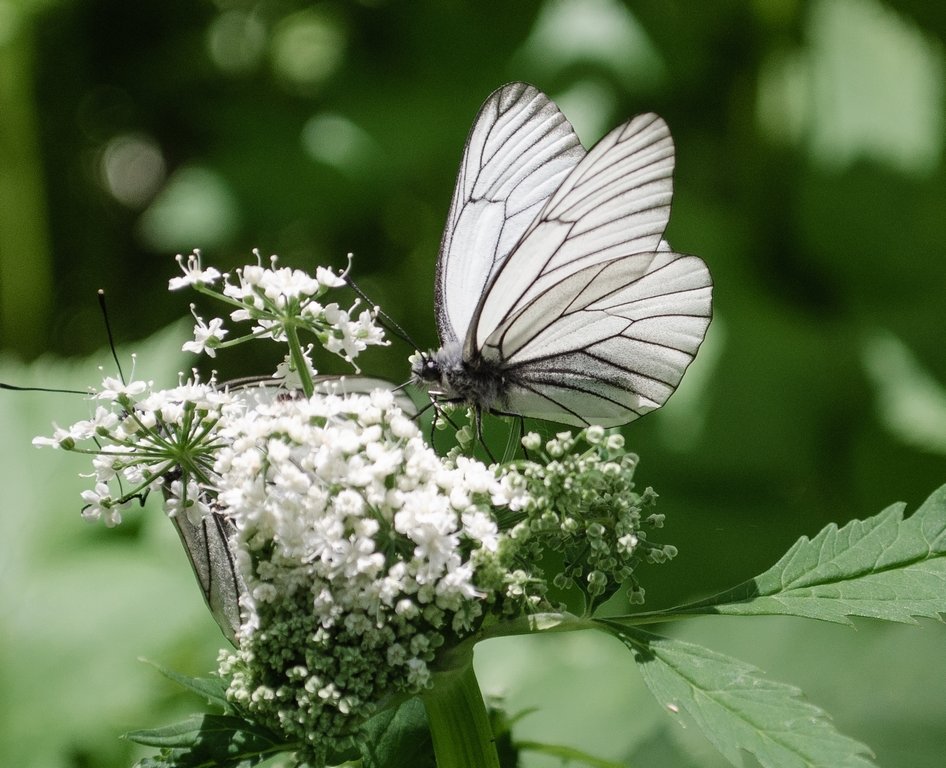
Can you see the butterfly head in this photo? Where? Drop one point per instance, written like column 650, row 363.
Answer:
column 448, row 376
column 424, row 368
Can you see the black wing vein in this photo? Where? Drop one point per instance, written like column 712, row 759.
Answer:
column 615, row 202
column 518, row 152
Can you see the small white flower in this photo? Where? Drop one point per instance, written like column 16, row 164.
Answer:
column 532, row 441
column 328, row 279
column 81, row 430
column 101, row 506
column 206, row 337
column 281, row 285
column 481, row 527
column 113, row 388
column 194, row 274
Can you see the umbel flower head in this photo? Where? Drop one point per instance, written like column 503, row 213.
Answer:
column 364, row 560
column 363, row 554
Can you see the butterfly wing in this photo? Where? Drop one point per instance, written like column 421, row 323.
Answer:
column 517, row 154
column 210, row 552
column 608, row 343
column 615, row 202
column 592, row 315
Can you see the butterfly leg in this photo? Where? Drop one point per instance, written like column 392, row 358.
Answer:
column 433, row 421
column 522, row 434
column 439, row 413
column 478, row 420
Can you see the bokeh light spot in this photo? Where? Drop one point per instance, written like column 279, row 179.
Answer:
column 132, row 169
column 196, row 209
column 308, row 48
column 236, row 41
column 335, row 140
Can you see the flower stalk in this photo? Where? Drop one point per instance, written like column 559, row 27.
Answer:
column 298, row 362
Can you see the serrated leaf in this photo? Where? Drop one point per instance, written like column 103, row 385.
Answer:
column 212, row 689
column 737, row 708
column 399, row 738
column 885, row 567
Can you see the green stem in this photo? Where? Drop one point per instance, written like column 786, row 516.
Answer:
column 459, row 723
column 298, row 360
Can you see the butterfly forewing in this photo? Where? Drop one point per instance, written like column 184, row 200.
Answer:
column 614, row 203
column 519, row 151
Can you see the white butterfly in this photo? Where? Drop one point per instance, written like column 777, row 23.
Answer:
column 556, row 295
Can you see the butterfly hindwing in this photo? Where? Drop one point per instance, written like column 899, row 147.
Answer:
column 606, row 344
column 209, row 548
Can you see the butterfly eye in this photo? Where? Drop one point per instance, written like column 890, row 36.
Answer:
column 429, row 370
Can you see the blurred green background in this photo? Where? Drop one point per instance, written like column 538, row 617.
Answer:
column 810, row 177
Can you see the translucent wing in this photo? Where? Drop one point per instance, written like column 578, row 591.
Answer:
column 607, row 343
column 210, row 552
column 614, row 203
column 519, row 151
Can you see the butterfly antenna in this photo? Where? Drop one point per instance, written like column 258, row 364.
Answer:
column 108, row 332
column 385, row 318
column 14, row 388
column 111, row 344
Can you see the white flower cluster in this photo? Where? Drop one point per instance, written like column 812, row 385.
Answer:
column 143, row 436
column 584, row 507
column 279, row 301
column 362, row 557
column 362, row 552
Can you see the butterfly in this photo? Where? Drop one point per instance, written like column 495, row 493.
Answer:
column 556, row 296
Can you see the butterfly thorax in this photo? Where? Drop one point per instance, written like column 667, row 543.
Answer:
column 448, row 376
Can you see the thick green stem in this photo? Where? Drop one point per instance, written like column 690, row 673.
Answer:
column 459, row 723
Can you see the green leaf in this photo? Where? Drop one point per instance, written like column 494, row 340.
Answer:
column 885, row 567
column 154, row 762
column 568, row 755
column 399, row 738
column 737, row 708
column 212, row 689
column 210, row 740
